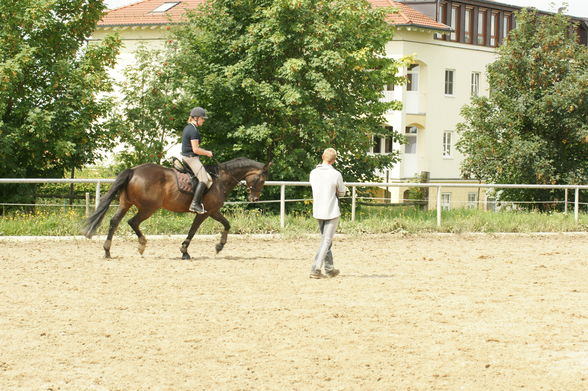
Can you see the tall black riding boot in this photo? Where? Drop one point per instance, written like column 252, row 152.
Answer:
column 197, row 206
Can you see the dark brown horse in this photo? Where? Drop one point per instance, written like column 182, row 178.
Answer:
column 151, row 187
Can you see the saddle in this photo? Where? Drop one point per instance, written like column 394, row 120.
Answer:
column 186, row 179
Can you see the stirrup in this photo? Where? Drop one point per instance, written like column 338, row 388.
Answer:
column 194, row 208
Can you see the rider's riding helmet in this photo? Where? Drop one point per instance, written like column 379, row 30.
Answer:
column 198, row 112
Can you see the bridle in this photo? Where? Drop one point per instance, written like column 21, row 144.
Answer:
column 251, row 187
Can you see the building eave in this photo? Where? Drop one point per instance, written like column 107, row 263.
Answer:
column 423, row 28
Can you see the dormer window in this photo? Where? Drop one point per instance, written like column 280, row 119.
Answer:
column 165, row 7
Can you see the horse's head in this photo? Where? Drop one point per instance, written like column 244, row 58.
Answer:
column 255, row 179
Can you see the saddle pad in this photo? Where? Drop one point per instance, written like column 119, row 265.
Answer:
column 184, row 182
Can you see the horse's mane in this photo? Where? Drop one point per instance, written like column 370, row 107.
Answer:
column 240, row 162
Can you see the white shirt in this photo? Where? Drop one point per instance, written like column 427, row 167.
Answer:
column 327, row 184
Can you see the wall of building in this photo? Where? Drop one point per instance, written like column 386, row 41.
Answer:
column 440, row 112
column 153, row 37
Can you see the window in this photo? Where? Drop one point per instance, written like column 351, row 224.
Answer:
column 411, row 139
column 506, row 25
column 377, row 144
column 468, row 25
column 481, row 28
column 447, row 144
column 381, row 144
column 389, row 87
column 455, row 23
column 475, row 90
column 388, row 141
column 412, row 76
column 445, row 201
column 388, row 145
column 472, row 200
column 449, row 81
column 165, row 7
column 494, row 29
column 443, row 18
column 491, row 204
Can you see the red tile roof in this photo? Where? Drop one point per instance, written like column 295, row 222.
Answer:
column 140, row 13
column 407, row 16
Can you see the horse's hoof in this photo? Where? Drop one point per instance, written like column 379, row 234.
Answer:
column 142, row 245
column 107, row 255
column 219, row 247
column 186, row 256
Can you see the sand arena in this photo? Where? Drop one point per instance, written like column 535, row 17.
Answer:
column 431, row 312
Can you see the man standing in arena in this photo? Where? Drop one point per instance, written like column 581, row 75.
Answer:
column 327, row 187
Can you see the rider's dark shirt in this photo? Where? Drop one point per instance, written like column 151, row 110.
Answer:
column 190, row 133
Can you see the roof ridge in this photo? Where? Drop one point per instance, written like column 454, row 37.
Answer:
column 140, row 13
column 401, row 10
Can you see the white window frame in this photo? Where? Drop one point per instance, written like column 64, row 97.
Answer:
column 454, row 14
column 385, row 144
column 475, row 84
column 449, row 84
column 411, row 133
column 445, row 201
column 447, row 146
column 412, row 74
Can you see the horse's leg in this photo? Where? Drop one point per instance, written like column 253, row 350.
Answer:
column 221, row 219
column 195, row 225
column 120, row 213
column 134, row 222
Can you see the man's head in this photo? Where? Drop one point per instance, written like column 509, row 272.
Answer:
column 197, row 116
column 329, row 156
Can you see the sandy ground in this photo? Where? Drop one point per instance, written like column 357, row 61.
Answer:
column 434, row 312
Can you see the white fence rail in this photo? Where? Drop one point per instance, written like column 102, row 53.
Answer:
column 352, row 185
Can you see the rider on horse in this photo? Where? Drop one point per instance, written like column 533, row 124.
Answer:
column 191, row 149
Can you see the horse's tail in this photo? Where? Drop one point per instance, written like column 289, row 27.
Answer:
column 94, row 221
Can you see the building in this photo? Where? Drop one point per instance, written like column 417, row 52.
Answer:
column 451, row 42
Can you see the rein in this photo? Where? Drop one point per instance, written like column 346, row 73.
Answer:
column 227, row 171
column 237, row 181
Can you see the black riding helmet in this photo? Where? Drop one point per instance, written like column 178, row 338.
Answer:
column 198, row 112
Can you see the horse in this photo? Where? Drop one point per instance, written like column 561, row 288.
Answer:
column 151, row 187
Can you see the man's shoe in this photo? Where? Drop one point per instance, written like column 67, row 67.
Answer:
column 197, row 207
column 332, row 273
column 316, row 275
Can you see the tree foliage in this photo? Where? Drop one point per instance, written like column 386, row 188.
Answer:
column 149, row 112
column 532, row 128
column 284, row 79
column 50, row 82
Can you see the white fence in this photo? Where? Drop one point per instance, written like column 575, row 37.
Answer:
column 352, row 185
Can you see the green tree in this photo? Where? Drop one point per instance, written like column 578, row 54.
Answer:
column 532, row 128
column 149, row 115
column 50, row 85
column 284, row 79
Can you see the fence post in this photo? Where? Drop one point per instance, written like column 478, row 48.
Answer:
column 566, row 201
column 438, row 206
column 577, row 205
column 97, row 194
column 353, row 198
column 282, row 206
column 87, row 204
